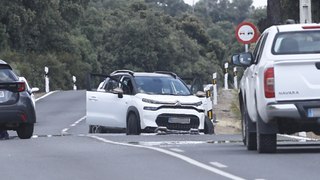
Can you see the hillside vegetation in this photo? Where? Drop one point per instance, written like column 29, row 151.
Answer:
column 74, row 37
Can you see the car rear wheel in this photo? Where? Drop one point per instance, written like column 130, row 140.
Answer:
column 25, row 131
column 208, row 126
column 133, row 125
column 248, row 131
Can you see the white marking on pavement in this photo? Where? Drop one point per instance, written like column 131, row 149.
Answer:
column 259, row 179
column 177, row 150
column 298, row 137
column 219, row 165
column 176, row 155
column 161, row 143
column 45, row 95
column 35, row 136
column 64, row 131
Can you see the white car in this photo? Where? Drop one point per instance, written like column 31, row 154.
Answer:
column 145, row 102
column 280, row 88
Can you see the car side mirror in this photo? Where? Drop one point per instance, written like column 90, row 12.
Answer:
column 34, row 89
column 118, row 91
column 200, row 94
column 245, row 59
column 235, row 60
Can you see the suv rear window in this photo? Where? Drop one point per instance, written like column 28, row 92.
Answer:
column 304, row 42
column 6, row 75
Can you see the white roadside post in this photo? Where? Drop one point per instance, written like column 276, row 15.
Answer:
column 46, row 79
column 215, row 92
column 235, row 78
column 226, row 65
column 305, row 11
column 74, row 79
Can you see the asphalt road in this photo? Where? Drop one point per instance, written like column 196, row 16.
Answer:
column 62, row 149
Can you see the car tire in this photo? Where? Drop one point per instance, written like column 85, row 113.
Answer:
column 133, row 125
column 249, row 134
column 25, row 130
column 96, row 129
column 208, row 126
column 266, row 143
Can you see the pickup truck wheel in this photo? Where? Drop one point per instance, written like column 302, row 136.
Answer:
column 133, row 126
column 208, row 126
column 266, row 143
column 248, row 132
column 25, row 131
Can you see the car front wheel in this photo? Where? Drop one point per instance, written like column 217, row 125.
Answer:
column 25, row 131
column 133, row 125
column 208, row 126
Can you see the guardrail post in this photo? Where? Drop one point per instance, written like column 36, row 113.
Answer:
column 235, row 78
column 46, row 79
column 226, row 65
column 215, row 92
column 74, row 79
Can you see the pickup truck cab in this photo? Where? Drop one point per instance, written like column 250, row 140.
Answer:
column 280, row 88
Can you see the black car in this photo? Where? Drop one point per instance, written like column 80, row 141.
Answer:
column 17, row 108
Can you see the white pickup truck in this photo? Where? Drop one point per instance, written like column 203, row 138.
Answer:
column 280, row 88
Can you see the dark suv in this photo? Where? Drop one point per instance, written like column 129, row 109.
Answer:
column 17, row 109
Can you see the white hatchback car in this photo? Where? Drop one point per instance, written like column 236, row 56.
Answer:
column 145, row 102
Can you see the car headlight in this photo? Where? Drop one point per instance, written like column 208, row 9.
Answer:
column 150, row 101
column 198, row 103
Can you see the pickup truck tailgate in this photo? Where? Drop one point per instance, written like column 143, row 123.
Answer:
column 297, row 80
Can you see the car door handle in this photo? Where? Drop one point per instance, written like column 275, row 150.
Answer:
column 93, row 98
column 318, row 65
column 254, row 74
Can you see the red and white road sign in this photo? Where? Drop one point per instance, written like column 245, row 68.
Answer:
column 247, row 33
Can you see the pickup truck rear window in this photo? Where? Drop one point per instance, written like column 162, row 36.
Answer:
column 303, row 42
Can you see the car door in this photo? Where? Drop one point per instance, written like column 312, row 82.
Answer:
column 252, row 78
column 107, row 108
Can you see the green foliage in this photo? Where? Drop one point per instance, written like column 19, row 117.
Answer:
column 75, row 37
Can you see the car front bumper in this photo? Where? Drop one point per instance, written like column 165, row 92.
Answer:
column 184, row 119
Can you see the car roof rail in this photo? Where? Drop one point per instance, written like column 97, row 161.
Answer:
column 167, row 72
column 123, row 71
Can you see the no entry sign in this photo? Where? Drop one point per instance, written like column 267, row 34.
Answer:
column 246, row 33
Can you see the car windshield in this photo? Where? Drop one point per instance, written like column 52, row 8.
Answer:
column 305, row 42
column 161, row 85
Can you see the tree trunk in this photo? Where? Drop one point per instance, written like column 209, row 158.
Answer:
column 273, row 12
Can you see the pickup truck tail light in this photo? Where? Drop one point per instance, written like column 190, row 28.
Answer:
column 269, row 83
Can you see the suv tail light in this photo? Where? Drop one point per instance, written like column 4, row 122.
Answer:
column 269, row 83
column 21, row 86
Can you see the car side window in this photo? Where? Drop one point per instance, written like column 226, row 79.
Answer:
column 261, row 48
column 127, row 85
column 112, row 84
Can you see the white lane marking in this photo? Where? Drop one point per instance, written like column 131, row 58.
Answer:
column 35, row 136
column 45, row 95
column 78, row 121
column 162, row 143
column 219, row 165
column 177, row 150
column 64, row 131
column 298, row 137
column 176, row 155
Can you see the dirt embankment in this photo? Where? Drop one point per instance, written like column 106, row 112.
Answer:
column 227, row 113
